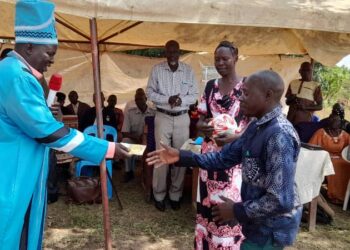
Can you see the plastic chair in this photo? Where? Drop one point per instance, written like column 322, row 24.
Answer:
column 107, row 131
column 347, row 196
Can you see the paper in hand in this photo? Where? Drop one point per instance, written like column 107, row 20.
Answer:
column 135, row 149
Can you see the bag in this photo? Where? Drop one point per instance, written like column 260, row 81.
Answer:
column 84, row 189
column 208, row 93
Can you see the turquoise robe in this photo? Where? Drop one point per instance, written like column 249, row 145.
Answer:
column 27, row 131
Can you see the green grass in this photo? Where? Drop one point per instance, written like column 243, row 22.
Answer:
column 141, row 226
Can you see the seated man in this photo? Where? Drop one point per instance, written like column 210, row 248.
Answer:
column 303, row 96
column 307, row 129
column 108, row 115
column 338, row 109
column 76, row 107
column 61, row 98
column 134, row 122
column 119, row 116
column 132, row 103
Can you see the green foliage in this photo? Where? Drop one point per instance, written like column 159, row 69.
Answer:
column 335, row 82
column 155, row 52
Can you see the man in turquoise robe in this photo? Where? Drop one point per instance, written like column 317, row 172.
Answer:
column 29, row 130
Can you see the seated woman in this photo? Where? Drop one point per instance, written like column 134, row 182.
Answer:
column 333, row 139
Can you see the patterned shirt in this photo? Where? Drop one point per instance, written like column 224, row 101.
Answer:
column 163, row 83
column 268, row 151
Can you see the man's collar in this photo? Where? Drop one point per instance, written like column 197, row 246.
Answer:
column 34, row 72
column 269, row 116
column 138, row 111
column 179, row 68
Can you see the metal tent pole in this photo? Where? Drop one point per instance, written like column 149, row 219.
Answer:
column 97, row 89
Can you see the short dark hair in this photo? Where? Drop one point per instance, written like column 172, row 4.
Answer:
column 60, row 96
column 4, row 53
column 172, row 43
column 227, row 44
column 140, row 90
column 338, row 109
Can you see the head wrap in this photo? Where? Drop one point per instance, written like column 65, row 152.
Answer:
column 35, row 22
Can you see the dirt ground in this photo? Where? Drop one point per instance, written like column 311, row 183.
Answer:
column 141, row 226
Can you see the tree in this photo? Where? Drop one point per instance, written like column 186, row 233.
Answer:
column 335, row 82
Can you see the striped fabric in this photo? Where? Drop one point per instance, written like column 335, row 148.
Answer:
column 35, row 22
column 164, row 83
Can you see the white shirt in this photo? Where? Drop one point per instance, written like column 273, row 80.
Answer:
column 163, row 83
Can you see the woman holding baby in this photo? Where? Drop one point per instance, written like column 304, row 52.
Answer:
column 221, row 96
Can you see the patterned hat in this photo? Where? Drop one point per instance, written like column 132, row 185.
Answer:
column 35, row 22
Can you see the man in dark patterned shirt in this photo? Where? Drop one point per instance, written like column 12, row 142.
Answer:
column 270, row 210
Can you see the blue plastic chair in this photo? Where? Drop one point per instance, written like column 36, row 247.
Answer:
column 107, row 131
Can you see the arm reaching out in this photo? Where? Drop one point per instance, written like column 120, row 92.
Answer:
column 165, row 155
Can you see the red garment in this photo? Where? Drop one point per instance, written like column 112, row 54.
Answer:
column 337, row 183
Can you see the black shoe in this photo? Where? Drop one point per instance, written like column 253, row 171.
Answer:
column 160, row 205
column 175, row 205
column 128, row 176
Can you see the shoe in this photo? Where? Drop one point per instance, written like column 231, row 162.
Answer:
column 128, row 176
column 160, row 205
column 175, row 205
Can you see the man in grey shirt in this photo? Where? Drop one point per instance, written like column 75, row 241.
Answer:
column 133, row 127
column 172, row 87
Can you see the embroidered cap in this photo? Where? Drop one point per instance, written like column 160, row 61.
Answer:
column 35, row 22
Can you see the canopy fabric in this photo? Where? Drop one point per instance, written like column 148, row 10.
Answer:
column 318, row 28
column 122, row 74
column 321, row 15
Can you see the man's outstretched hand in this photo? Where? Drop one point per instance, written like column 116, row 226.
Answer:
column 121, row 152
column 165, row 155
column 223, row 212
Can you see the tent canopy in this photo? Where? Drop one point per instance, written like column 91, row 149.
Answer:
column 318, row 28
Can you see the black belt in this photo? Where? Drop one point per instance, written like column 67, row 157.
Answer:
column 172, row 113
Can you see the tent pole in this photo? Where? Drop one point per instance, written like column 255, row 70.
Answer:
column 97, row 89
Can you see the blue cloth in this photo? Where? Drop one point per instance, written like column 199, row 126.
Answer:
column 315, row 118
column 35, row 22
column 198, row 141
column 307, row 129
column 268, row 151
column 28, row 130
